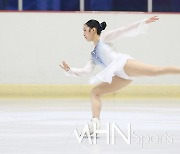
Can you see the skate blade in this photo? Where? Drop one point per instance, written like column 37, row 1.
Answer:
column 91, row 135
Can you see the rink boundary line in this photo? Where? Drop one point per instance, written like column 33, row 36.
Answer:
column 83, row 91
column 88, row 12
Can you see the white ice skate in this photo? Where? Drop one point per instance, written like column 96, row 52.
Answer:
column 95, row 122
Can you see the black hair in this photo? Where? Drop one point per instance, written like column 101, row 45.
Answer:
column 95, row 24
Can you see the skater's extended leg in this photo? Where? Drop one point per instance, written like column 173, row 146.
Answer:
column 136, row 68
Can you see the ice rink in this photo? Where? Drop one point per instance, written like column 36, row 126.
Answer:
column 41, row 126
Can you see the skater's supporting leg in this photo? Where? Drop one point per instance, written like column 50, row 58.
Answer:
column 105, row 88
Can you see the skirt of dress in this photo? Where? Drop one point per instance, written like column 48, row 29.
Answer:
column 115, row 68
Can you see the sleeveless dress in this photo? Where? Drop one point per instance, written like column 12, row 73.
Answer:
column 104, row 55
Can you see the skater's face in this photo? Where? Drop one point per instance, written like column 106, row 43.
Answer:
column 89, row 33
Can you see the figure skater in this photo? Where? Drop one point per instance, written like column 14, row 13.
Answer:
column 118, row 69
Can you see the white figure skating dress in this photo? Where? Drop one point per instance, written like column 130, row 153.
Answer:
column 103, row 54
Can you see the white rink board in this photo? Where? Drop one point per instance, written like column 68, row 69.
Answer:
column 34, row 44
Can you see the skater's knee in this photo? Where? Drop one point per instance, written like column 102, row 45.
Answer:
column 157, row 71
column 96, row 92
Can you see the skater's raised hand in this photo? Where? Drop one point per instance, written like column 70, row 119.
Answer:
column 152, row 19
column 65, row 66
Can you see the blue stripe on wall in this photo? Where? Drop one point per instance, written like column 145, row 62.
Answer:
column 93, row 5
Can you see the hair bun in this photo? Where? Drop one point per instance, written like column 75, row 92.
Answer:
column 103, row 25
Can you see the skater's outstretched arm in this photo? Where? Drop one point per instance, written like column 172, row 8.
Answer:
column 85, row 71
column 130, row 30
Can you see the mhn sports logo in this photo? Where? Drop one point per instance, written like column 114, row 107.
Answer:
column 132, row 137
